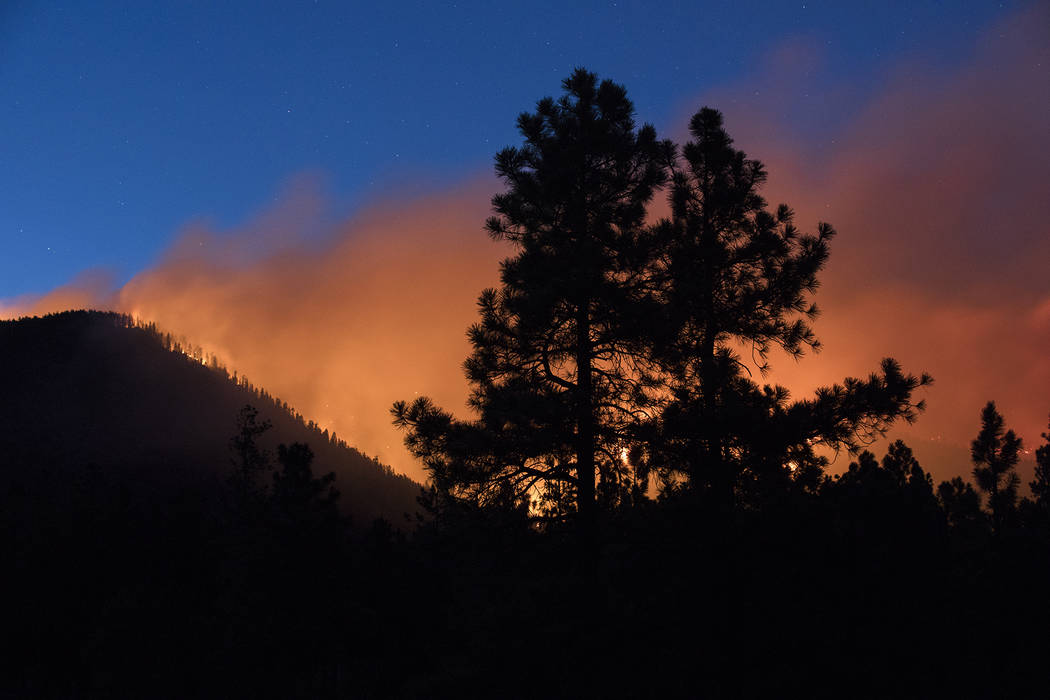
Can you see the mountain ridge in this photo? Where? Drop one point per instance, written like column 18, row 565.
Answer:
column 100, row 388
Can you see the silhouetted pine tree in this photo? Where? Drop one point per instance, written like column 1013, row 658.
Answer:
column 557, row 372
column 735, row 278
column 1041, row 485
column 995, row 452
column 961, row 504
column 249, row 460
column 298, row 497
column 1034, row 512
column 892, row 504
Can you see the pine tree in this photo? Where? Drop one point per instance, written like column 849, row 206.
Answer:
column 1041, row 485
column 737, row 278
column 297, row 494
column 249, row 459
column 995, row 452
column 558, row 372
column 961, row 505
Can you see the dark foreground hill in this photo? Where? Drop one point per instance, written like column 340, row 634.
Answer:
column 90, row 388
column 133, row 565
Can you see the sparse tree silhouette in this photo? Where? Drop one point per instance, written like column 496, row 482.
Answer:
column 249, row 459
column 556, row 373
column 961, row 504
column 1035, row 511
column 1041, row 484
column 735, row 278
column 995, row 452
column 901, row 463
column 892, row 503
column 299, row 497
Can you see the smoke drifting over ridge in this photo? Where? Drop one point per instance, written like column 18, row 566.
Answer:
column 340, row 325
column 937, row 187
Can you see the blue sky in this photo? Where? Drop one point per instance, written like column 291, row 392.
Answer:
column 124, row 121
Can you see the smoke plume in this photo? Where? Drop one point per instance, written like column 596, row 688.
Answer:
column 937, row 184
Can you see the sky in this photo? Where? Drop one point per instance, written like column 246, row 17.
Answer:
column 300, row 187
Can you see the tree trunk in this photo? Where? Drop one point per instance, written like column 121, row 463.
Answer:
column 712, row 459
column 584, row 423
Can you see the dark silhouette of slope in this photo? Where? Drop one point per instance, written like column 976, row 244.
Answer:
column 94, row 388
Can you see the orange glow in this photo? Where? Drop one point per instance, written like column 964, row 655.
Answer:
column 944, row 242
column 339, row 326
column 941, row 262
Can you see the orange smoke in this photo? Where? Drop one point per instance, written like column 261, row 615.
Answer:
column 937, row 187
column 340, row 325
column 938, row 190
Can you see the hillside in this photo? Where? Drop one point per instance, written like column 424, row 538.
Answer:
column 91, row 388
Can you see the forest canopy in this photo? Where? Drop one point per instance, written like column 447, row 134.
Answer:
column 654, row 500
